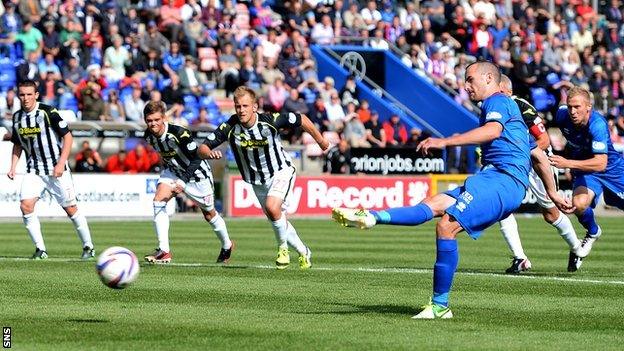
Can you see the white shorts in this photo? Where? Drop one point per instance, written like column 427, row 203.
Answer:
column 280, row 186
column 202, row 192
column 61, row 188
column 537, row 187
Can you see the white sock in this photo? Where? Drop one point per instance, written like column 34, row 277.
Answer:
column 82, row 228
column 31, row 221
column 218, row 225
column 509, row 229
column 294, row 240
column 566, row 230
column 161, row 225
column 279, row 227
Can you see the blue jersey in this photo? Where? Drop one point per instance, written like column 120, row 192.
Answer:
column 587, row 141
column 509, row 152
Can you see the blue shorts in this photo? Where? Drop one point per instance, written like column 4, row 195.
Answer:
column 612, row 185
column 485, row 198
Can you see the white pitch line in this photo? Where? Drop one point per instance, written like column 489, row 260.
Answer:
column 355, row 269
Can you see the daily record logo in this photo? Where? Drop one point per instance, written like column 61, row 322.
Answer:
column 397, row 164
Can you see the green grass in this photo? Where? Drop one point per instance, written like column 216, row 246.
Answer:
column 360, row 294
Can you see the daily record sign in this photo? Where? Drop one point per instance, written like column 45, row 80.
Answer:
column 316, row 196
column 97, row 194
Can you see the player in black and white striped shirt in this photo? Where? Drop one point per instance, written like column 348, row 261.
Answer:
column 184, row 172
column 44, row 136
column 543, row 184
column 263, row 162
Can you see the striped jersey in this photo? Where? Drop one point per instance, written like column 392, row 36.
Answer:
column 40, row 134
column 179, row 151
column 257, row 150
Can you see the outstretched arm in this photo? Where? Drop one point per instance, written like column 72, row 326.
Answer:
column 598, row 163
column 483, row 134
column 542, row 167
column 309, row 127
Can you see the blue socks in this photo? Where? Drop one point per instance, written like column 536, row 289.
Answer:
column 588, row 221
column 444, row 269
column 413, row 215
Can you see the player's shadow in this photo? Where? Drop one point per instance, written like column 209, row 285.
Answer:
column 347, row 308
column 87, row 320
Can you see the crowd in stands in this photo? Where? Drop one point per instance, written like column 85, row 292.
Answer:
column 105, row 59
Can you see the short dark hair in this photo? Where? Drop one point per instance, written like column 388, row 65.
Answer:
column 154, row 107
column 27, row 83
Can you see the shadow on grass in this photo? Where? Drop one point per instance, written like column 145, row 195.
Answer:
column 87, row 320
column 346, row 308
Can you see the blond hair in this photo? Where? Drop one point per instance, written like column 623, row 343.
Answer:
column 242, row 91
column 579, row 91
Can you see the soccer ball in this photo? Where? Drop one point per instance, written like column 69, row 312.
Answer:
column 117, row 267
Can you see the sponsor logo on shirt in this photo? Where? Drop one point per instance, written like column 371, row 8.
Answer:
column 493, row 115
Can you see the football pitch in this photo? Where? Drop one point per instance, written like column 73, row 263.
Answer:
column 359, row 295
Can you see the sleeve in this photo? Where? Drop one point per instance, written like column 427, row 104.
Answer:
column 496, row 111
column 286, row 120
column 600, row 137
column 14, row 136
column 220, row 135
column 187, row 143
column 57, row 123
column 537, row 128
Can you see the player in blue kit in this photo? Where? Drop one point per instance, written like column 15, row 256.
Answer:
column 484, row 199
column 596, row 166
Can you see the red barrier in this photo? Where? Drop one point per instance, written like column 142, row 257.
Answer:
column 315, row 196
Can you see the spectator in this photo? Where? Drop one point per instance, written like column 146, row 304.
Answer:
column 354, row 130
column 30, row 11
column 115, row 59
column 229, row 67
column 277, row 94
column 191, row 79
column 338, row 159
column 293, row 78
column 117, row 163
column 173, row 93
column 50, row 89
column 87, row 145
column 170, row 21
column 114, row 110
column 152, row 39
column 87, row 163
column 396, row 133
column 250, row 75
column 294, row 103
column 133, row 106
column 195, row 33
column 323, row 32
column 9, row 104
column 327, row 89
column 94, row 81
column 415, row 137
column 349, row 93
column 154, row 66
column 138, row 160
column 93, row 108
column 51, row 40
column 335, row 113
column 318, row 115
column 173, row 60
column 270, row 73
column 374, row 130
